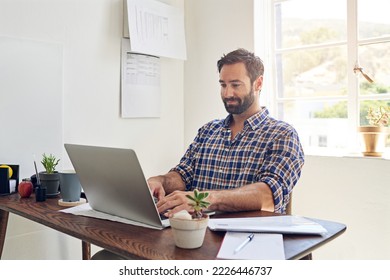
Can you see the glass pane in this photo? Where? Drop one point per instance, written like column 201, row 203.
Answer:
column 319, row 124
column 375, row 60
column 320, row 72
column 371, row 104
column 374, row 20
column 307, row 22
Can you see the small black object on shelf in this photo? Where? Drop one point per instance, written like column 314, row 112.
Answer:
column 5, row 181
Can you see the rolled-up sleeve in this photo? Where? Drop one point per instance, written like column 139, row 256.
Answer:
column 186, row 166
column 282, row 167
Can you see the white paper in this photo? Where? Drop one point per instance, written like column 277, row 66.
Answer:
column 272, row 224
column 140, row 85
column 86, row 210
column 264, row 246
column 156, row 28
column 12, row 185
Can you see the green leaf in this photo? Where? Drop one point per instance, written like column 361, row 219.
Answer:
column 190, row 197
column 197, row 201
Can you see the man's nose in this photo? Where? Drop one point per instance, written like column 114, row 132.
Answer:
column 227, row 92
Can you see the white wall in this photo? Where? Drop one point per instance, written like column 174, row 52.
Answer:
column 213, row 28
column 89, row 33
column 353, row 191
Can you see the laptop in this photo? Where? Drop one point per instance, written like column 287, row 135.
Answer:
column 114, row 183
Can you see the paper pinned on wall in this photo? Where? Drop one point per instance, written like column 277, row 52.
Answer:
column 140, row 84
column 156, row 28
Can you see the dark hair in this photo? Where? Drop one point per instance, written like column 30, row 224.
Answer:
column 253, row 64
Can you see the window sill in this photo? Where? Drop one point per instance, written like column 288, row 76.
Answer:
column 319, row 152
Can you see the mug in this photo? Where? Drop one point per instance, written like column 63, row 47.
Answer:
column 70, row 186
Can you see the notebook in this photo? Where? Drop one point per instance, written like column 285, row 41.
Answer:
column 263, row 246
column 114, row 183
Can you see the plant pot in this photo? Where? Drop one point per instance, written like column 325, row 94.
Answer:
column 373, row 140
column 51, row 182
column 189, row 234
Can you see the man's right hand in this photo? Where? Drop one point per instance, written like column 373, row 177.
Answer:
column 156, row 187
column 163, row 185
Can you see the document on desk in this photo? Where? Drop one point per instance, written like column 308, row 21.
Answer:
column 288, row 224
column 262, row 246
column 86, row 210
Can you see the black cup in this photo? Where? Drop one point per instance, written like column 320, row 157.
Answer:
column 40, row 193
column 33, row 179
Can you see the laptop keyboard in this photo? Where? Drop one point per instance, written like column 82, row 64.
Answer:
column 163, row 217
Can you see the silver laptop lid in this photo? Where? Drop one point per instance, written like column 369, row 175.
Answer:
column 114, row 183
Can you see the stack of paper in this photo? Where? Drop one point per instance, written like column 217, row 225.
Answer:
column 272, row 224
column 263, row 246
column 86, row 210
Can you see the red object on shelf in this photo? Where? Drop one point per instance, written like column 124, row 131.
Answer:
column 25, row 188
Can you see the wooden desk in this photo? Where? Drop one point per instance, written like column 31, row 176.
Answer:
column 139, row 242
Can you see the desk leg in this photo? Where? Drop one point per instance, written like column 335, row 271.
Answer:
column 307, row 257
column 3, row 228
column 86, row 247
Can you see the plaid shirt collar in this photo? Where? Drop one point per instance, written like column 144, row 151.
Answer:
column 254, row 122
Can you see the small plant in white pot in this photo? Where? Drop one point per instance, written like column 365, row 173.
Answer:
column 189, row 230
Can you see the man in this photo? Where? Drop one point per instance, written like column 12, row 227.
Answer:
column 248, row 161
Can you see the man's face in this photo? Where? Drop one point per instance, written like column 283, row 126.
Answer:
column 236, row 89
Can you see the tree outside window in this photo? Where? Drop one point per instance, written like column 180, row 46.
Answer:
column 313, row 49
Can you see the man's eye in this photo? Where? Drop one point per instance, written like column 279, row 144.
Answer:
column 223, row 85
column 235, row 85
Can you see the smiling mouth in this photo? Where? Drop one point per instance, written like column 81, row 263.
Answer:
column 231, row 101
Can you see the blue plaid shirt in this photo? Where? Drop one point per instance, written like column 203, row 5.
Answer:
column 266, row 150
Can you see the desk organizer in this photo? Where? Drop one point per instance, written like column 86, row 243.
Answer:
column 5, row 182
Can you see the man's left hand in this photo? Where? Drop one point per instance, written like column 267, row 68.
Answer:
column 173, row 203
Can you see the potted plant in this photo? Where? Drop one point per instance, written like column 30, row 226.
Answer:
column 189, row 229
column 50, row 178
column 374, row 135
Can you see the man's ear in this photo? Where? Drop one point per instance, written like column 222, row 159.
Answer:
column 258, row 84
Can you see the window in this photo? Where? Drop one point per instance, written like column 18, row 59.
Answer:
column 310, row 53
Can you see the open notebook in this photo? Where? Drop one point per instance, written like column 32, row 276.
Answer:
column 263, row 246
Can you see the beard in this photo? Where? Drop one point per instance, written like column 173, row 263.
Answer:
column 241, row 104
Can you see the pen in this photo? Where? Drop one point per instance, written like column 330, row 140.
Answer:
column 242, row 245
column 36, row 172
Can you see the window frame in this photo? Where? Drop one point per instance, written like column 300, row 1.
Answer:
column 265, row 46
